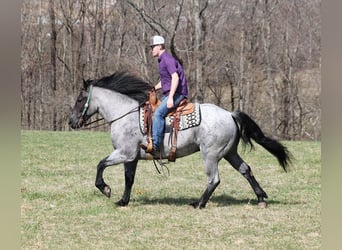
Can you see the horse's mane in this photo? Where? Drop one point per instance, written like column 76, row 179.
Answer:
column 124, row 83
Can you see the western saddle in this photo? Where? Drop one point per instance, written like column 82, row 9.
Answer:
column 150, row 106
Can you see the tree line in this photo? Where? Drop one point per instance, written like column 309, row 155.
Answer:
column 259, row 56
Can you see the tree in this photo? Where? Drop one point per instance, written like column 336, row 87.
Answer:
column 266, row 38
column 259, row 56
column 198, row 47
column 53, row 61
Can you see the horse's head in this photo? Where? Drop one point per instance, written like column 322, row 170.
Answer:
column 81, row 111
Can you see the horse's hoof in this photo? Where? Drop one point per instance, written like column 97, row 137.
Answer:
column 262, row 204
column 121, row 203
column 194, row 204
column 107, row 191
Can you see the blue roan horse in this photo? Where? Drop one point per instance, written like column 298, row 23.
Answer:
column 117, row 99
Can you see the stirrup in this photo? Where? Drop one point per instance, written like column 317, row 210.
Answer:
column 148, row 148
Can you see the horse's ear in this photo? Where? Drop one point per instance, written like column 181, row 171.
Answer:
column 84, row 84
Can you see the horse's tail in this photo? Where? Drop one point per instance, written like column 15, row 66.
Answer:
column 249, row 129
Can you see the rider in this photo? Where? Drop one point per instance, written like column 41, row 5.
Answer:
column 173, row 85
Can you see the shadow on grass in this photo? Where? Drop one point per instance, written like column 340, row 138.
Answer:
column 226, row 200
column 220, row 200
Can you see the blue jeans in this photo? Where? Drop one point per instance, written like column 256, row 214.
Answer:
column 159, row 119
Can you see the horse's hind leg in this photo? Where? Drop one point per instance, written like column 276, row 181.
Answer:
column 236, row 161
column 211, row 167
column 130, row 168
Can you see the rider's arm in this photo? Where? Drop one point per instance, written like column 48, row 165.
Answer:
column 174, row 85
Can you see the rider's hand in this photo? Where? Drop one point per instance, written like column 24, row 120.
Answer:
column 170, row 103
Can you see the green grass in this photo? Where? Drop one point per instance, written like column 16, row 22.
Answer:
column 62, row 209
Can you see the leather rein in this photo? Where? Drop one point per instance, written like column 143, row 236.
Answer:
column 86, row 105
column 85, row 126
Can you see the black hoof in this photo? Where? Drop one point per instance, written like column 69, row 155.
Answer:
column 121, row 203
column 194, row 204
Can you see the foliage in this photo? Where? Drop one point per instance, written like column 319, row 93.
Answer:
column 62, row 209
column 261, row 57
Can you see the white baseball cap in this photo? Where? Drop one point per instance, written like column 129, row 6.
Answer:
column 155, row 40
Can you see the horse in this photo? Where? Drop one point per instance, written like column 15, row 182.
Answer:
column 118, row 98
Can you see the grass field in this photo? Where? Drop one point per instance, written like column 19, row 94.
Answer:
column 62, row 209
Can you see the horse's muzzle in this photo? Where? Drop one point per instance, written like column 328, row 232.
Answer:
column 76, row 123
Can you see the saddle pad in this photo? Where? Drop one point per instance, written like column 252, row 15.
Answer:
column 186, row 121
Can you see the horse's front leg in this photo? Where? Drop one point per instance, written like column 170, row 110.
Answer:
column 130, row 168
column 113, row 159
column 99, row 182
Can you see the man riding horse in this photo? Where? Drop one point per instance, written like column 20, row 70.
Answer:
column 174, row 87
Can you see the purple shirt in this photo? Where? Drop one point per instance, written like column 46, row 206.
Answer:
column 167, row 66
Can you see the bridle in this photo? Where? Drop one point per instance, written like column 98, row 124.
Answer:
column 86, row 105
